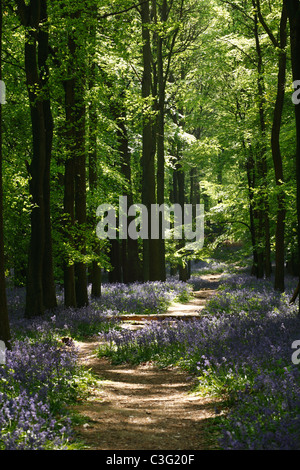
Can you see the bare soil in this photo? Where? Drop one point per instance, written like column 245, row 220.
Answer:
column 144, row 407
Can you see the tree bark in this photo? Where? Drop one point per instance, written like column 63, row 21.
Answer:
column 263, row 231
column 150, row 246
column 40, row 287
column 80, row 195
column 34, row 287
column 75, row 171
column 96, row 274
column 4, row 320
column 131, row 268
column 69, row 191
column 277, row 158
column 183, row 268
column 280, row 44
column 293, row 10
column 49, row 294
column 161, row 141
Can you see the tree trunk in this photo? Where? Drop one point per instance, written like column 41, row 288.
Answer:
column 277, row 158
column 115, row 275
column 263, row 232
column 161, row 142
column 183, row 268
column 75, row 171
column 250, row 169
column 80, row 195
column 69, row 190
column 130, row 252
column 150, row 246
column 4, row 320
column 40, row 287
column 96, row 274
column 293, row 10
column 34, row 286
column 49, row 295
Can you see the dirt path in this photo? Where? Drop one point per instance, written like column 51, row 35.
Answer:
column 143, row 407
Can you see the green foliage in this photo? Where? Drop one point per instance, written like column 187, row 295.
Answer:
column 211, row 117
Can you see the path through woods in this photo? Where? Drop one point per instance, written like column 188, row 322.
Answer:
column 144, row 407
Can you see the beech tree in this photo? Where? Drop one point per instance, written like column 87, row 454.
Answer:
column 280, row 45
column 4, row 321
column 293, row 11
column 40, row 290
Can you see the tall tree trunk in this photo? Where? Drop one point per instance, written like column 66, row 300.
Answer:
column 96, row 274
column 34, row 287
column 279, row 43
column 183, row 268
column 277, row 158
column 250, row 169
column 40, row 288
column 150, row 246
column 293, row 10
column 4, row 320
column 80, row 194
column 49, row 295
column 161, row 141
column 69, row 189
column 263, row 233
column 130, row 252
column 75, row 170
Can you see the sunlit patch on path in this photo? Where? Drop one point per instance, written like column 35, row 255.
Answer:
column 144, row 407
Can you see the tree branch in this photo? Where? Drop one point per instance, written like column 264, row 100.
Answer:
column 120, row 12
column 236, row 222
column 240, row 9
column 239, row 48
column 265, row 25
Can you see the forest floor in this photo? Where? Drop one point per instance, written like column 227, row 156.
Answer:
column 145, row 407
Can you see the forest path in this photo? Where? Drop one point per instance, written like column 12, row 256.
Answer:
column 178, row 311
column 143, row 407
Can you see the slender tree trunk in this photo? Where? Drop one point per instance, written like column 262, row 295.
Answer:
column 40, row 287
column 34, row 287
column 4, row 320
column 161, row 141
column 75, row 170
column 69, row 190
column 130, row 252
column 277, row 158
column 250, row 169
column 150, row 247
column 49, row 294
column 293, row 10
column 264, row 252
column 80, row 195
column 183, row 268
column 96, row 275
column 279, row 43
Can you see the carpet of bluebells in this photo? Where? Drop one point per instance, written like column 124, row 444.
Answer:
column 41, row 376
column 240, row 349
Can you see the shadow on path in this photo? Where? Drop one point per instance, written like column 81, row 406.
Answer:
column 144, row 407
